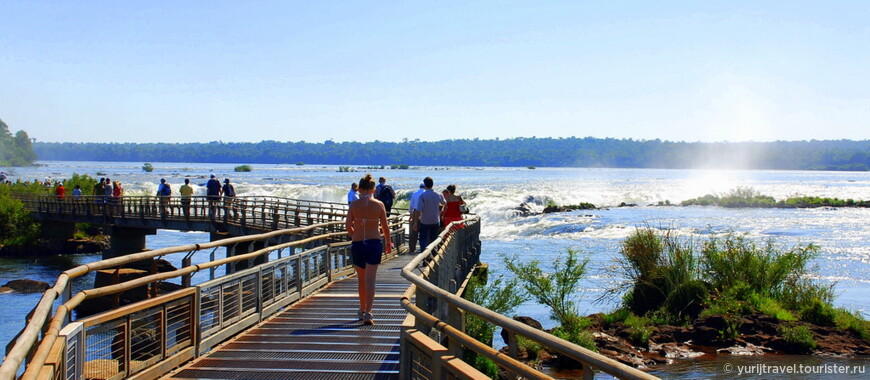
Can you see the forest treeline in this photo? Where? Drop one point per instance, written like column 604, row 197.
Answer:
column 15, row 150
column 557, row 152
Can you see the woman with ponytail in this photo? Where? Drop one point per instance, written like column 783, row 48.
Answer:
column 364, row 217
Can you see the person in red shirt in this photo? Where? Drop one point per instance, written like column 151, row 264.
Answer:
column 60, row 191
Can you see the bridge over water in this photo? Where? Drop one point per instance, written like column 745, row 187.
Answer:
column 287, row 313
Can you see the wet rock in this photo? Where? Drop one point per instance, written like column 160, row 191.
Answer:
column 581, row 206
column 26, row 286
column 674, row 351
column 524, row 209
column 744, row 350
column 528, row 321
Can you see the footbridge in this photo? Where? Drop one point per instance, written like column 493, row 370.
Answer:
column 290, row 315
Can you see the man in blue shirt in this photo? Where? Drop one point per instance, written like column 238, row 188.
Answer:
column 213, row 193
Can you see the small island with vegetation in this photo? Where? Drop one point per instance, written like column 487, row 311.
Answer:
column 749, row 197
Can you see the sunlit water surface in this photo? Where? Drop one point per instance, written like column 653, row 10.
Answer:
column 493, row 193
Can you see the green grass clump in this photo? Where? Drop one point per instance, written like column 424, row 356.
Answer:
column 243, row 168
column 819, row 313
column 852, row 322
column 616, row 316
column 771, row 307
column 639, row 330
column 576, row 335
column 800, row 336
column 662, row 271
column 765, row 270
column 532, row 348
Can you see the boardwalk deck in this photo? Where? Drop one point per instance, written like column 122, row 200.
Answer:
column 317, row 338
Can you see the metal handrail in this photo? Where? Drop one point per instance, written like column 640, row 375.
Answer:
column 432, row 253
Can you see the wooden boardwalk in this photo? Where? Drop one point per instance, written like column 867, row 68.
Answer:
column 316, row 338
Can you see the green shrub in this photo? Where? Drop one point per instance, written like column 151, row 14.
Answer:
column 147, row 167
column 687, row 300
column 639, row 330
column 577, row 335
column 243, row 168
column 800, row 336
column 532, row 348
column 486, row 366
column 616, row 316
column 819, row 313
column 557, row 288
column 765, row 270
column 852, row 322
column 501, row 297
column 17, row 228
column 661, row 271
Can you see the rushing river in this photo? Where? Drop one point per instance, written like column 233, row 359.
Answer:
column 493, row 193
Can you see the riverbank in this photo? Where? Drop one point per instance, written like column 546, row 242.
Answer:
column 757, row 335
column 47, row 247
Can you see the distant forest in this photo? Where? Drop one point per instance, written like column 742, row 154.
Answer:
column 15, row 150
column 558, row 152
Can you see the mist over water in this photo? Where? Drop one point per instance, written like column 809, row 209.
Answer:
column 495, row 193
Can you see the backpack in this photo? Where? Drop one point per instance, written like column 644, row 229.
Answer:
column 165, row 191
column 386, row 194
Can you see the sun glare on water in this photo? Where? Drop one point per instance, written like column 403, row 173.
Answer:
column 708, row 182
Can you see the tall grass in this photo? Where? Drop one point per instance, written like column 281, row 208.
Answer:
column 667, row 280
column 661, row 271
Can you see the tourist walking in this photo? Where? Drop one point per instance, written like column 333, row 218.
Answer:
column 364, row 217
column 352, row 195
column 186, row 192
column 385, row 194
column 429, row 206
column 413, row 215
column 229, row 199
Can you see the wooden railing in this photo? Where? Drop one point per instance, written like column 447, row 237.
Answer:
column 263, row 213
column 146, row 339
column 434, row 336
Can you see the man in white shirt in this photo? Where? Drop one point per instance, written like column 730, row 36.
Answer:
column 429, row 206
column 412, row 221
column 352, row 195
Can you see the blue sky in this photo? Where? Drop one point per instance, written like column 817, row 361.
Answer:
column 191, row 71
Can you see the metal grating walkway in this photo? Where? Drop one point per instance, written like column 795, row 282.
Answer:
column 319, row 337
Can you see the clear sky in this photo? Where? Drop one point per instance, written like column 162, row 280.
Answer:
column 198, row 71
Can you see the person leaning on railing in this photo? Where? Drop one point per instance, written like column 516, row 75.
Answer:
column 186, row 191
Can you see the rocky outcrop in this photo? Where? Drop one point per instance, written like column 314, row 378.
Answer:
column 24, row 286
column 58, row 247
column 581, row 206
column 757, row 334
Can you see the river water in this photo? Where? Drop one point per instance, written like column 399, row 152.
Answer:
column 493, row 193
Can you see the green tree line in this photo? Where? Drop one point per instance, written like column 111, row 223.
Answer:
column 15, row 150
column 532, row 151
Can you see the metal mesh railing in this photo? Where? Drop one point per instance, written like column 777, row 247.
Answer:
column 437, row 275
